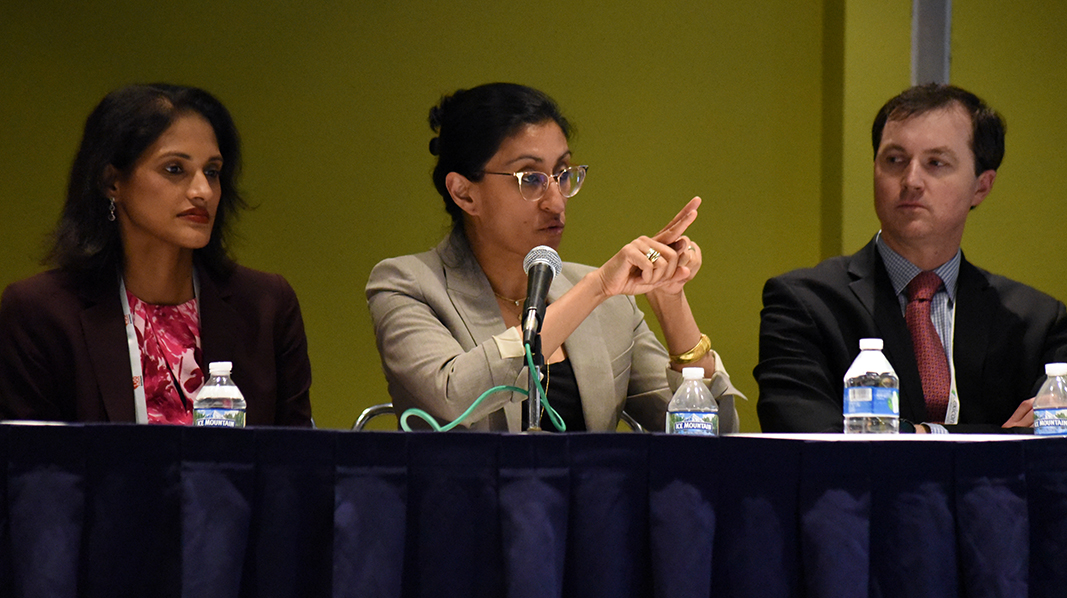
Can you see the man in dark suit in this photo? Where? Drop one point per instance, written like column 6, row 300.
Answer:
column 983, row 339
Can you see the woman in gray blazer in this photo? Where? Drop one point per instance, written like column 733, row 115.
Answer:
column 447, row 320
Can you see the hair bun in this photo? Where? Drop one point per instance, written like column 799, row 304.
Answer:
column 437, row 114
column 435, row 146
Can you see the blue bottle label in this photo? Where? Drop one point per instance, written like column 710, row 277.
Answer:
column 219, row 418
column 875, row 401
column 1050, row 422
column 704, row 423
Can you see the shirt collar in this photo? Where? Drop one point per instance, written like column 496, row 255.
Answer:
column 901, row 271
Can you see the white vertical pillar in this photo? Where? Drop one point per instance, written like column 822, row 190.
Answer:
column 931, row 37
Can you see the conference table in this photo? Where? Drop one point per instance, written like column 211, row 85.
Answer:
column 126, row 510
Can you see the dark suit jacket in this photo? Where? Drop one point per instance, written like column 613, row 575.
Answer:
column 812, row 321
column 63, row 352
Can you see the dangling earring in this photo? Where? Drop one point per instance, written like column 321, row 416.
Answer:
column 111, row 210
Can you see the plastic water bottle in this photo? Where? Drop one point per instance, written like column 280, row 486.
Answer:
column 872, row 392
column 219, row 403
column 1050, row 405
column 692, row 409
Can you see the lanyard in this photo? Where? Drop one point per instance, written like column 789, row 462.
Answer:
column 952, row 414
column 140, row 405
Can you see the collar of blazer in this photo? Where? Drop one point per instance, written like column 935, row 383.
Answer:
column 105, row 337
column 472, row 296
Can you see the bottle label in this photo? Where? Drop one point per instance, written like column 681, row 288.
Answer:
column 1050, row 422
column 705, row 423
column 876, row 401
column 219, row 418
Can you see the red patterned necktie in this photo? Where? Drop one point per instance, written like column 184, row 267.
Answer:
column 929, row 352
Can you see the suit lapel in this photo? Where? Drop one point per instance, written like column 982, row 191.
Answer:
column 975, row 307
column 473, row 299
column 872, row 287
column 217, row 321
column 103, row 325
column 470, row 293
column 588, row 354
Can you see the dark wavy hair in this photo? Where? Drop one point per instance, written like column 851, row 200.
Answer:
column 987, row 125
column 472, row 123
column 118, row 131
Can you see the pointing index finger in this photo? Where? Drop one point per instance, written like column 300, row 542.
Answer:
column 681, row 221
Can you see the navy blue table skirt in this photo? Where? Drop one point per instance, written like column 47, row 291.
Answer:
column 123, row 510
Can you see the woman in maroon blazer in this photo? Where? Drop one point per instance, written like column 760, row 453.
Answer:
column 144, row 293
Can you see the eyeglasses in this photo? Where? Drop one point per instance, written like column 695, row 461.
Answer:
column 534, row 184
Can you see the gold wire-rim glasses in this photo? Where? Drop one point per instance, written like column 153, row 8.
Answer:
column 537, row 182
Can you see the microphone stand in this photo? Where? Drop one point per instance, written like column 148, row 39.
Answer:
column 534, row 397
column 541, row 264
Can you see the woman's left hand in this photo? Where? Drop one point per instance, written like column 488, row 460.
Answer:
column 689, row 261
column 634, row 271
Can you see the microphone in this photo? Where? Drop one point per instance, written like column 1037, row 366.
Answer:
column 541, row 265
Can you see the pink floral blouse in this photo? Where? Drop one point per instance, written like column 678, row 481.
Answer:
column 169, row 337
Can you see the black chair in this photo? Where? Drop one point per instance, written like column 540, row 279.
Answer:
column 372, row 412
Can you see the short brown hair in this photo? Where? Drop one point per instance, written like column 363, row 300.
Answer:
column 987, row 125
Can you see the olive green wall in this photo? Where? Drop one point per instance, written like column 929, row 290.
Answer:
column 1017, row 60
column 671, row 100
column 877, row 66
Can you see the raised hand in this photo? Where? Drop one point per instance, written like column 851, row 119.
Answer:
column 664, row 262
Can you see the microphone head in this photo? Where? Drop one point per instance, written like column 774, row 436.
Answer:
column 543, row 254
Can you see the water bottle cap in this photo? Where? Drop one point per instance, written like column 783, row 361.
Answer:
column 220, row 368
column 1056, row 369
column 692, row 373
column 870, row 344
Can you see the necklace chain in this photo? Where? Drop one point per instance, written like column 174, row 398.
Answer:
column 516, row 302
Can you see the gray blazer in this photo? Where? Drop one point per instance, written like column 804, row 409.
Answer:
column 437, row 321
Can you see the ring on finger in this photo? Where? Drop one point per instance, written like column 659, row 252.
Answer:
column 652, row 255
column 690, row 248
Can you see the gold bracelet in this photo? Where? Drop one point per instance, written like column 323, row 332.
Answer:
column 695, row 354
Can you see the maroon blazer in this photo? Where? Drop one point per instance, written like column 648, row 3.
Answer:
column 63, row 352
